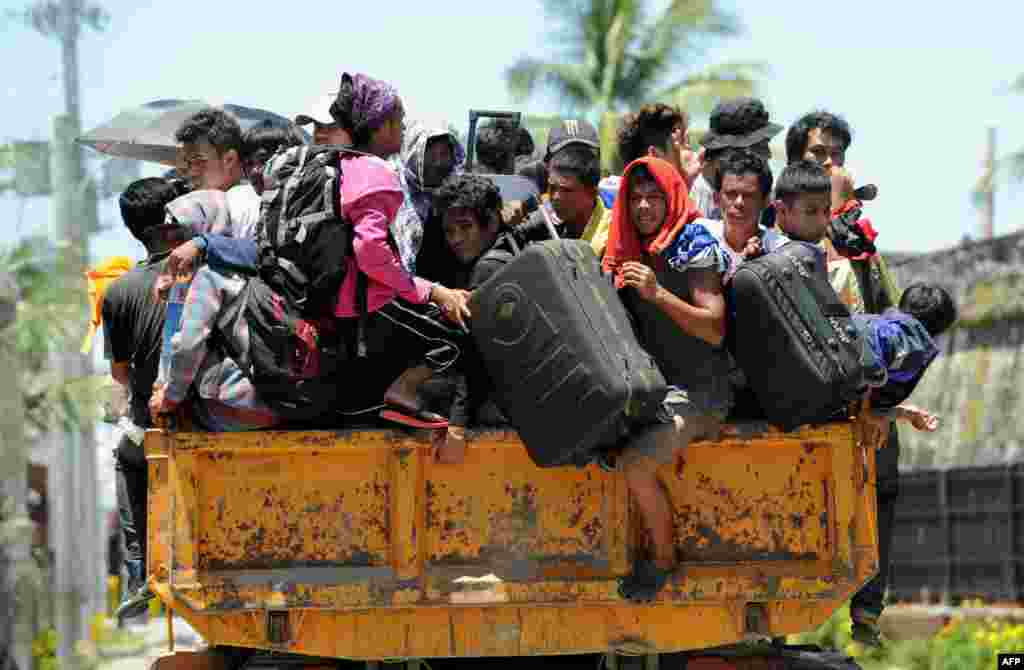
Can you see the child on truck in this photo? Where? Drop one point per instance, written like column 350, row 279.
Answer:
column 902, row 341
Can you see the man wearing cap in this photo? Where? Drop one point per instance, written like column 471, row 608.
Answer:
column 573, row 161
column 740, row 123
column 323, row 127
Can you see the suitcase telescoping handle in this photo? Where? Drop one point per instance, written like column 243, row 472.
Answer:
column 552, row 231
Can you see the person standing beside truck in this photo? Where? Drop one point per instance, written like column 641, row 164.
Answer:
column 132, row 326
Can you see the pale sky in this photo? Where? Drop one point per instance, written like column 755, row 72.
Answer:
column 918, row 86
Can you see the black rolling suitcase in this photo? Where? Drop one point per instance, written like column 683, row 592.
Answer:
column 561, row 352
column 794, row 338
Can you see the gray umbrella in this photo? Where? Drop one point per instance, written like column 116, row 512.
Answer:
column 146, row 133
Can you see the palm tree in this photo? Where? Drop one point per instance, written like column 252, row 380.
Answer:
column 618, row 56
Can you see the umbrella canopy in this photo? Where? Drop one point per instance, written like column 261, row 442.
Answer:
column 146, row 133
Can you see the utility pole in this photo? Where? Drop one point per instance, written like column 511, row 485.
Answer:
column 78, row 546
column 988, row 195
column 76, row 535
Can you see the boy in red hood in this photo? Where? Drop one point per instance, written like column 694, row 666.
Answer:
column 680, row 315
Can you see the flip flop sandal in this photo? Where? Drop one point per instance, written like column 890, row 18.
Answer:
column 414, row 418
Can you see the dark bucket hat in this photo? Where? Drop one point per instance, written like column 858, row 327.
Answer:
column 739, row 123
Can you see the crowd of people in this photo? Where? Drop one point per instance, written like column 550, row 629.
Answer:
column 670, row 231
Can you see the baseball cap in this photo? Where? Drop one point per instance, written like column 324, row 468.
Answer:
column 319, row 112
column 572, row 131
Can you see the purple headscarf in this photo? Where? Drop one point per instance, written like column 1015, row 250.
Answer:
column 373, row 100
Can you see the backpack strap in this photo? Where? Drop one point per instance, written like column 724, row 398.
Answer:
column 362, row 282
column 288, row 189
column 362, row 289
column 224, row 330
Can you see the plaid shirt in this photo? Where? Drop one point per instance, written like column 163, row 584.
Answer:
column 228, row 400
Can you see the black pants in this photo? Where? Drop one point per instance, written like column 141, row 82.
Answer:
column 414, row 335
column 132, row 484
column 872, row 596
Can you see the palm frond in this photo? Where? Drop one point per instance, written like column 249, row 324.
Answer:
column 699, row 92
column 570, row 81
column 1011, row 164
column 1017, row 85
column 682, row 32
column 615, row 55
column 620, row 33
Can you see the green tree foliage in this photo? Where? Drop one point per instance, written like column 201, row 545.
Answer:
column 617, row 55
column 50, row 319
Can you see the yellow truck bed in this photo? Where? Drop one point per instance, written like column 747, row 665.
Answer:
column 355, row 544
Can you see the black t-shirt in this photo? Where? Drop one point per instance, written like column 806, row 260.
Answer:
column 133, row 322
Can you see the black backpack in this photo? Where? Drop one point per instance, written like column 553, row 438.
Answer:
column 304, row 241
column 292, row 361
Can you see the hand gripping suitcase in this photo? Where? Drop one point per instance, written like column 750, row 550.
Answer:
column 794, row 338
column 561, row 352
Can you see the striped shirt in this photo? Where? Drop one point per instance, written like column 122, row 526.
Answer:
column 227, row 399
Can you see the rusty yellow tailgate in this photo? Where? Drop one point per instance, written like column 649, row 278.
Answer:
column 355, row 544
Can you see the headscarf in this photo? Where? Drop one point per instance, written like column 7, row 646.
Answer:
column 198, row 213
column 373, row 100
column 204, row 212
column 624, row 243
column 407, row 227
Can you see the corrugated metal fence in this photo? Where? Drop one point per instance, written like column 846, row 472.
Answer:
column 960, row 534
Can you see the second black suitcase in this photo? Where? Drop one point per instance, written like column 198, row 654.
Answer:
column 561, row 352
column 794, row 338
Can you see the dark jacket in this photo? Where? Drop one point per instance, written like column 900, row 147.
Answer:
column 472, row 387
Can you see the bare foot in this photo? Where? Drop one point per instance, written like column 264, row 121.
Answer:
column 920, row 419
column 450, row 445
column 403, row 392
